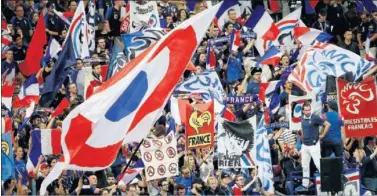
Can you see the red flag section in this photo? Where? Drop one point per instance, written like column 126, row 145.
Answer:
column 200, row 125
column 34, row 54
column 358, row 106
column 60, row 109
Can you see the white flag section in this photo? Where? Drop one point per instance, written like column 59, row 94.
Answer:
column 127, row 105
column 79, row 32
column 160, row 157
column 143, row 16
column 294, row 110
column 263, row 158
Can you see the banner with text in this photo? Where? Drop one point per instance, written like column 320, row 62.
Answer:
column 143, row 16
column 235, row 142
column 200, row 125
column 358, row 106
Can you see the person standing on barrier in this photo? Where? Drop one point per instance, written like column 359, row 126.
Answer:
column 310, row 124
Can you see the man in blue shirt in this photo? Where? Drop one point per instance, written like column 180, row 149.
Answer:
column 310, row 124
column 332, row 141
column 185, row 179
column 253, row 86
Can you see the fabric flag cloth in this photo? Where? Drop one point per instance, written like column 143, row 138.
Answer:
column 351, row 185
column 369, row 5
column 308, row 36
column 131, row 173
column 356, row 101
column 29, row 92
column 117, row 60
column 229, row 115
column 52, row 50
column 6, row 37
column 235, row 40
column 211, row 58
column 269, row 94
column 294, row 109
column 6, row 96
column 200, row 126
column 208, row 85
column 143, row 16
column 262, row 24
column 235, row 142
column 310, row 6
column 7, row 161
column 34, row 54
column 222, row 15
column 64, row 103
column 78, row 33
column 91, row 26
column 359, row 6
column 58, row 73
column 43, row 142
column 137, row 42
column 160, row 157
column 326, row 59
column 8, row 76
column 29, row 111
column 263, row 158
column 271, row 57
column 64, row 16
column 6, row 125
column 128, row 103
column 178, row 109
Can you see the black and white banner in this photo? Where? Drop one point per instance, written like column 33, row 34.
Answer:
column 143, row 16
column 235, row 142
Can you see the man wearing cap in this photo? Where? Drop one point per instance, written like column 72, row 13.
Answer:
column 334, row 139
column 225, row 180
column 369, row 165
column 197, row 187
column 253, row 86
column 322, row 24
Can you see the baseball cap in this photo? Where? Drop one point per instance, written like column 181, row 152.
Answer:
column 224, row 175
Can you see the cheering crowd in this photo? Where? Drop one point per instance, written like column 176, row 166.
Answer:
column 294, row 154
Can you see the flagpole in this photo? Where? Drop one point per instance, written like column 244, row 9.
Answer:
column 133, row 155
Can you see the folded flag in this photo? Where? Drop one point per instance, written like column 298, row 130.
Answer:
column 308, row 35
column 235, row 40
column 64, row 103
column 262, row 24
column 271, row 57
column 128, row 104
column 131, row 173
column 43, row 142
column 29, row 92
column 6, row 96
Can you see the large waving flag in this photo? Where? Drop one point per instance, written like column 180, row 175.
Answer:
column 308, row 36
column 29, row 92
column 222, row 15
column 78, row 31
column 34, row 54
column 128, row 103
column 262, row 24
column 235, row 40
column 271, row 57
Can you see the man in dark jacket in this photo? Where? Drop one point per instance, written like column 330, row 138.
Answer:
column 348, row 44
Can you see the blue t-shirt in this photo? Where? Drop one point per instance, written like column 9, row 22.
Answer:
column 253, row 88
column 21, row 167
column 334, row 133
column 187, row 182
column 234, row 69
column 311, row 129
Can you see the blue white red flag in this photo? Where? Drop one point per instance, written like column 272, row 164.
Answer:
column 262, row 24
column 6, row 96
column 131, row 173
column 29, row 92
column 235, row 40
column 308, row 36
column 222, row 15
column 128, row 103
column 52, row 50
column 271, row 57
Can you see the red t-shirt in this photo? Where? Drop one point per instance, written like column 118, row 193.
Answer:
column 237, row 191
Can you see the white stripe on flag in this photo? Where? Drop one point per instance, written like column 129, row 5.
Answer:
column 174, row 109
column 32, row 90
column 46, row 142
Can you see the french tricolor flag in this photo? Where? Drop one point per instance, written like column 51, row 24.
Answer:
column 271, row 57
column 178, row 109
column 308, row 35
column 130, row 174
column 235, row 40
column 211, row 57
column 43, row 142
column 6, row 96
column 29, row 92
column 262, row 24
column 6, row 125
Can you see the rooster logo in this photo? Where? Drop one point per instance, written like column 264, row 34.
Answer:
column 197, row 122
column 352, row 93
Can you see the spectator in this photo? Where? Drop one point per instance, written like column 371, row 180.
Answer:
column 334, row 138
column 240, row 188
column 311, row 147
column 197, row 187
column 352, row 18
column 186, row 179
column 19, row 49
column 20, row 21
column 182, row 16
column 290, row 163
column 214, row 188
column 54, row 25
column 348, row 44
column 363, row 30
column 369, row 165
column 253, row 85
column 101, row 49
column 228, row 29
column 34, row 20
column 9, row 10
column 169, row 22
column 73, row 97
column 20, row 166
column 72, row 6
column 232, row 15
column 225, row 181
column 180, row 190
column 322, row 24
column 234, row 68
column 337, row 19
column 9, row 186
column 164, row 187
column 114, row 18
column 8, row 64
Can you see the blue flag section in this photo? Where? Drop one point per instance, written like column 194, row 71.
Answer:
column 7, row 162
